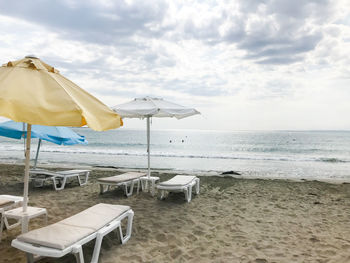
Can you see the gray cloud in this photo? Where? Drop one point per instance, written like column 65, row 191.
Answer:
column 89, row 20
column 280, row 33
column 281, row 50
column 276, row 32
column 287, row 37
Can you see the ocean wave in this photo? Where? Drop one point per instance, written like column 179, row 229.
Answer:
column 244, row 156
column 247, row 157
column 332, row 160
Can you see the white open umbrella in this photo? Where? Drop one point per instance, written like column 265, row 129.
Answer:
column 152, row 107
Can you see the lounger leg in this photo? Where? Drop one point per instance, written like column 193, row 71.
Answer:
column 143, row 186
column 85, row 179
column 124, row 239
column 126, row 189
column 187, row 194
column 103, row 188
column 1, row 226
column 138, row 186
column 197, row 186
column 78, row 253
column 153, row 187
column 131, row 188
column 99, row 238
column 79, row 181
column 8, row 226
column 63, row 183
column 146, row 185
column 97, row 248
column 55, row 184
column 162, row 194
column 30, row 258
column 129, row 193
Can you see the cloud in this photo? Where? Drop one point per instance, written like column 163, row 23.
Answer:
column 91, row 21
column 207, row 53
column 270, row 31
column 282, row 32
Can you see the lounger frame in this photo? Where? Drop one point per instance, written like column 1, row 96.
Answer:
column 128, row 186
column 17, row 201
column 187, row 189
column 32, row 250
column 39, row 177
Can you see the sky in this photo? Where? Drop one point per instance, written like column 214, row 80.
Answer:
column 244, row 64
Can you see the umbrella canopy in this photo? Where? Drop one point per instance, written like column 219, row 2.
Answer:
column 34, row 92
column 54, row 134
column 152, row 107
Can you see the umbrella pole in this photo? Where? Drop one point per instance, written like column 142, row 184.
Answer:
column 26, row 169
column 148, row 146
column 37, row 153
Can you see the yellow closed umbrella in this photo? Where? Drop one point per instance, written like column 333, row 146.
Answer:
column 34, row 92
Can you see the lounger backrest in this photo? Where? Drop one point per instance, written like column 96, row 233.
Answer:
column 70, row 230
column 69, row 172
column 5, row 202
column 178, row 180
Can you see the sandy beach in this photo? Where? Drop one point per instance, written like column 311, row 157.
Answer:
column 232, row 220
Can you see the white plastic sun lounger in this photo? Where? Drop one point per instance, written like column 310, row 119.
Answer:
column 68, row 235
column 180, row 183
column 8, row 202
column 40, row 176
column 126, row 179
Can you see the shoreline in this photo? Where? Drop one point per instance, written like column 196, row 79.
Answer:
column 243, row 175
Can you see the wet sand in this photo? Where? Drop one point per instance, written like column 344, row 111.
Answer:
column 231, row 220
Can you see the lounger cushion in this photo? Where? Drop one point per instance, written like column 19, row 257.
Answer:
column 122, row 177
column 57, row 173
column 178, row 180
column 70, row 172
column 57, row 235
column 70, row 230
column 5, row 202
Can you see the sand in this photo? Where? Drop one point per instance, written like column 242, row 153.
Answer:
column 232, row 220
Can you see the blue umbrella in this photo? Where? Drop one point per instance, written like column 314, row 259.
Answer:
column 54, row 134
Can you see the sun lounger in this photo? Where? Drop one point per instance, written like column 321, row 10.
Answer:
column 8, row 202
column 179, row 183
column 68, row 235
column 126, row 179
column 58, row 178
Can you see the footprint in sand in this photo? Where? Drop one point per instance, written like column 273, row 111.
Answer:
column 161, row 237
column 176, row 253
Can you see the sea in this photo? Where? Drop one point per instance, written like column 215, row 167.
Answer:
column 297, row 155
